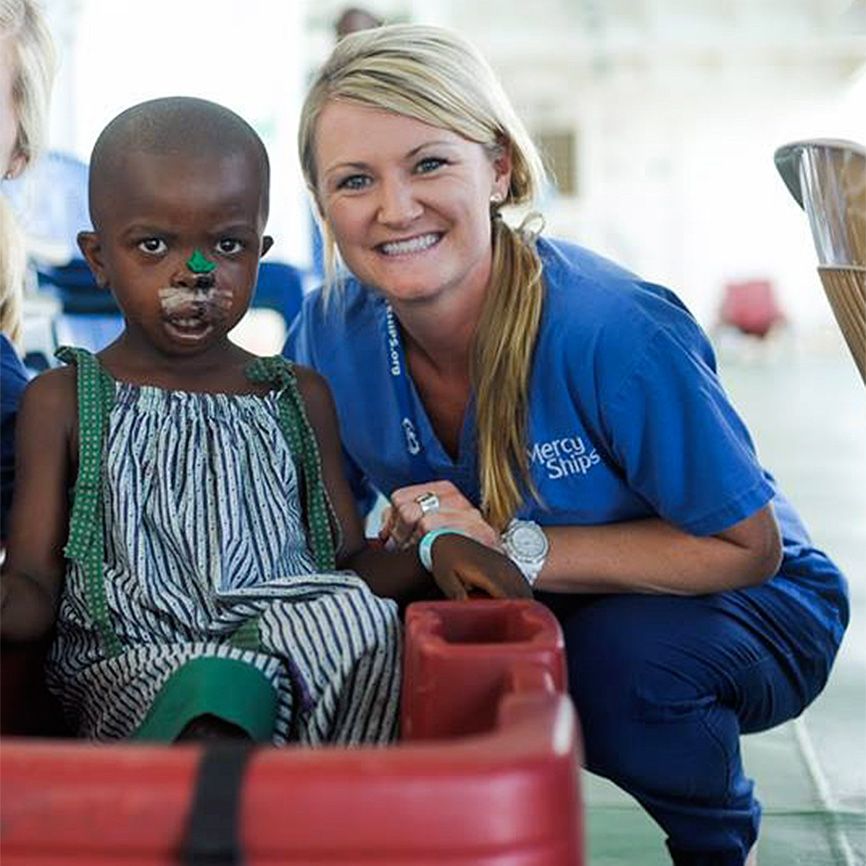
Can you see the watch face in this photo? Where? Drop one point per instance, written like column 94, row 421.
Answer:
column 529, row 542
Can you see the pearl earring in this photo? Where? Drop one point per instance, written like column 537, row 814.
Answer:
column 496, row 198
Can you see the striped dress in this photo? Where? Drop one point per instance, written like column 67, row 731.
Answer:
column 194, row 582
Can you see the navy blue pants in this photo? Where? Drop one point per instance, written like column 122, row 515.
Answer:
column 665, row 685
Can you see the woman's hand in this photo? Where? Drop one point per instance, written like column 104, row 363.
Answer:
column 404, row 522
column 462, row 566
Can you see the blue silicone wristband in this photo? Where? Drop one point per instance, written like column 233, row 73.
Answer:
column 425, row 545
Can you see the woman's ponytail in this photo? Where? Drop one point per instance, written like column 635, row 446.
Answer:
column 501, row 367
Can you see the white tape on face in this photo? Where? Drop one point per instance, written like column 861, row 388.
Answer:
column 178, row 300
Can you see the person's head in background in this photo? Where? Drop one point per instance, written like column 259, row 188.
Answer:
column 353, row 19
column 434, row 76
column 26, row 74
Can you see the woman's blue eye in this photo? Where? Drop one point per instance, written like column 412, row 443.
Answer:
column 229, row 246
column 153, row 246
column 430, row 163
column 354, row 181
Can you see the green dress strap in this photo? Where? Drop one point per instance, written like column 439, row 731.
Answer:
column 85, row 545
column 321, row 519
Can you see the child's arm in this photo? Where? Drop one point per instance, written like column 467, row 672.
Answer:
column 459, row 563
column 38, row 527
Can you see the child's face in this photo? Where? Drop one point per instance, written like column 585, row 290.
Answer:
column 179, row 244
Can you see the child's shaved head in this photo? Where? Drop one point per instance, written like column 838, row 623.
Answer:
column 177, row 125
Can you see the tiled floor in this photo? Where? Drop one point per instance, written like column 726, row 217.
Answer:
column 808, row 417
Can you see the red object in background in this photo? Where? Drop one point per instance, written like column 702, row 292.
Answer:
column 751, row 307
column 487, row 774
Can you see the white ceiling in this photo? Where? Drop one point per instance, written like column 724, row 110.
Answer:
column 545, row 49
column 563, row 31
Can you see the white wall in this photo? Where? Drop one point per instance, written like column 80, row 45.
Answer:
column 678, row 182
column 677, row 111
column 247, row 56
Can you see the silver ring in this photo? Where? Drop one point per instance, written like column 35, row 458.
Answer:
column 428, row 501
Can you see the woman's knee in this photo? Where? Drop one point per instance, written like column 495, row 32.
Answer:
column 650, row 722
column 645, row 728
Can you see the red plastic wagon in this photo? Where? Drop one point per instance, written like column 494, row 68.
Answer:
column 487, row 772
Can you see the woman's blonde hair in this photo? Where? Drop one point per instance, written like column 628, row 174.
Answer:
column 33, row 59
column 13, row 271
column 24, row 33
column 433, row 75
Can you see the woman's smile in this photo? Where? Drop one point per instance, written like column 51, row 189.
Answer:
column 410, row 246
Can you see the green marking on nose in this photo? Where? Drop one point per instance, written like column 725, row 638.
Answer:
column 199, row 264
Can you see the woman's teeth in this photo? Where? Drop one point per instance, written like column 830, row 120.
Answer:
column 412, row 245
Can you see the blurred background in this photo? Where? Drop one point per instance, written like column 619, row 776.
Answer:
column 658, row 120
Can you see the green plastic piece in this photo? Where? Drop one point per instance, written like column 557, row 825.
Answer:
column 232, row 690
column 199, row 264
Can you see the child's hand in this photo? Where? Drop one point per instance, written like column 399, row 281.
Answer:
column 462, row 565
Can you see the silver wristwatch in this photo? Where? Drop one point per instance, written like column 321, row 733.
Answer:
column 527, row 546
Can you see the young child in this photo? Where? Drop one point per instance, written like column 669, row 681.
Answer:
column 180, row 508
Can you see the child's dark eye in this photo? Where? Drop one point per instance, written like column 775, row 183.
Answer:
column 153, row 246
column 354, row 181
column 428, row 164
column 229, row 246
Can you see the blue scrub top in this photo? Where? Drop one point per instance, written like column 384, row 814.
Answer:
column 14, row 381
column 627, row 417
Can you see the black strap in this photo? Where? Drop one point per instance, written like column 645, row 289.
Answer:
column 212, row 835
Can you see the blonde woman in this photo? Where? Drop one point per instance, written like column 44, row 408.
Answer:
column 26, row 72
column 549, row 403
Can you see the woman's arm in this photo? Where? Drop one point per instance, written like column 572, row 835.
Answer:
column 33, row 571
column 459, row 564
column 646, row 555
column 653, row 556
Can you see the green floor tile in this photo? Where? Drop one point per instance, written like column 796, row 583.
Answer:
column 621, row 837
column 781, row 777
column 802, row 839
column 619, row 832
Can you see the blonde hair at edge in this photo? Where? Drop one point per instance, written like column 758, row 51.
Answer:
column 13, row 271
column 432, row 75
column 23, row 31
